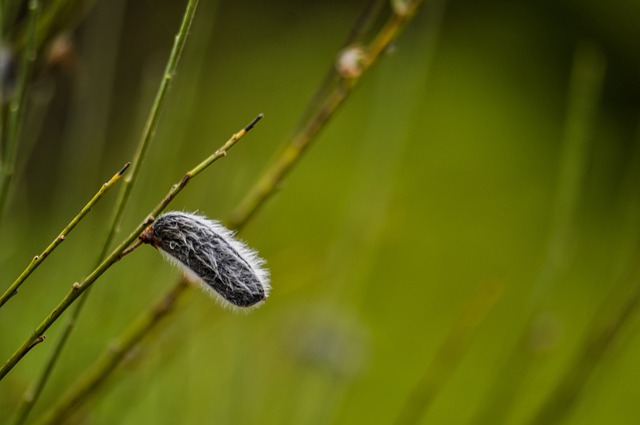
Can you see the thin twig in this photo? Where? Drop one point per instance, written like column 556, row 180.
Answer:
column 123, row 198
column 16, row 107
column 97, row 373
column 57, row 14
column 359, row 29
column 118, row 350
column 154, row 114
column 301, row 140
column 78, row 288
column 38, row 259
column 602, row 335
column 36, row 341
column 129, row 250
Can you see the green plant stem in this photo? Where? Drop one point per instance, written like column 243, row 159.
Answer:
column 79, row 287
column 585, row 84
column 3, row 50
column 16, row 107
column 57, row 16
column 261, row 191
column 449, row 354
column 118, row 350
column 156, row 108
column 290, row 156
column 150, row 125
column 609, row 322
column 3, row 18
column 33, row 394
column 301, row 140
column 38, row 259
column 141, row 151
column 359, row 29
column 602, row 335
column 98, row 373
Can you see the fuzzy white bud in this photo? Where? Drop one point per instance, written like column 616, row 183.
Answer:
column 209, row 254
column 351, row 61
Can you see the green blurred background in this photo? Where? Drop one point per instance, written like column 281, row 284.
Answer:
column 495, row 147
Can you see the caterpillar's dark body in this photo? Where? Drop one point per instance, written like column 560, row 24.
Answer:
column 210, row 254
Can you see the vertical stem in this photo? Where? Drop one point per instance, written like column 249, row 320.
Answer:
column 154, row 114
column 585, row 84
column 16, row 107
column 123, row 198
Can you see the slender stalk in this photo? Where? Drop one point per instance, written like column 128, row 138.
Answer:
column 118, row 350
column 301, row 140
column 38, row 259
column 33, row 394
column 585, row 84
column 359, row 29
column 16, row 107
column 154, row 114
column 141, row 150
column 261, row 191
column 56, row 15
column 79, row 287
column 4, row 55
column 602, row 335
column 449, row 355
column 610, row 321
column 131, row 248
column 365, row 21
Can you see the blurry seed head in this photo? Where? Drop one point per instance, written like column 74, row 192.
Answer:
column 209, row 254
column 61, row 52
column 400, row 7
column 351, row 61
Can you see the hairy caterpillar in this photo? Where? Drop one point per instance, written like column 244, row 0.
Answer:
column 209, row 254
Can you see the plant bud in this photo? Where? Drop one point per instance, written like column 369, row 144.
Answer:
column 209, row 254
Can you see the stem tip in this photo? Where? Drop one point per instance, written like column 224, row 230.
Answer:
column 124, row 168
column 254, row 122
